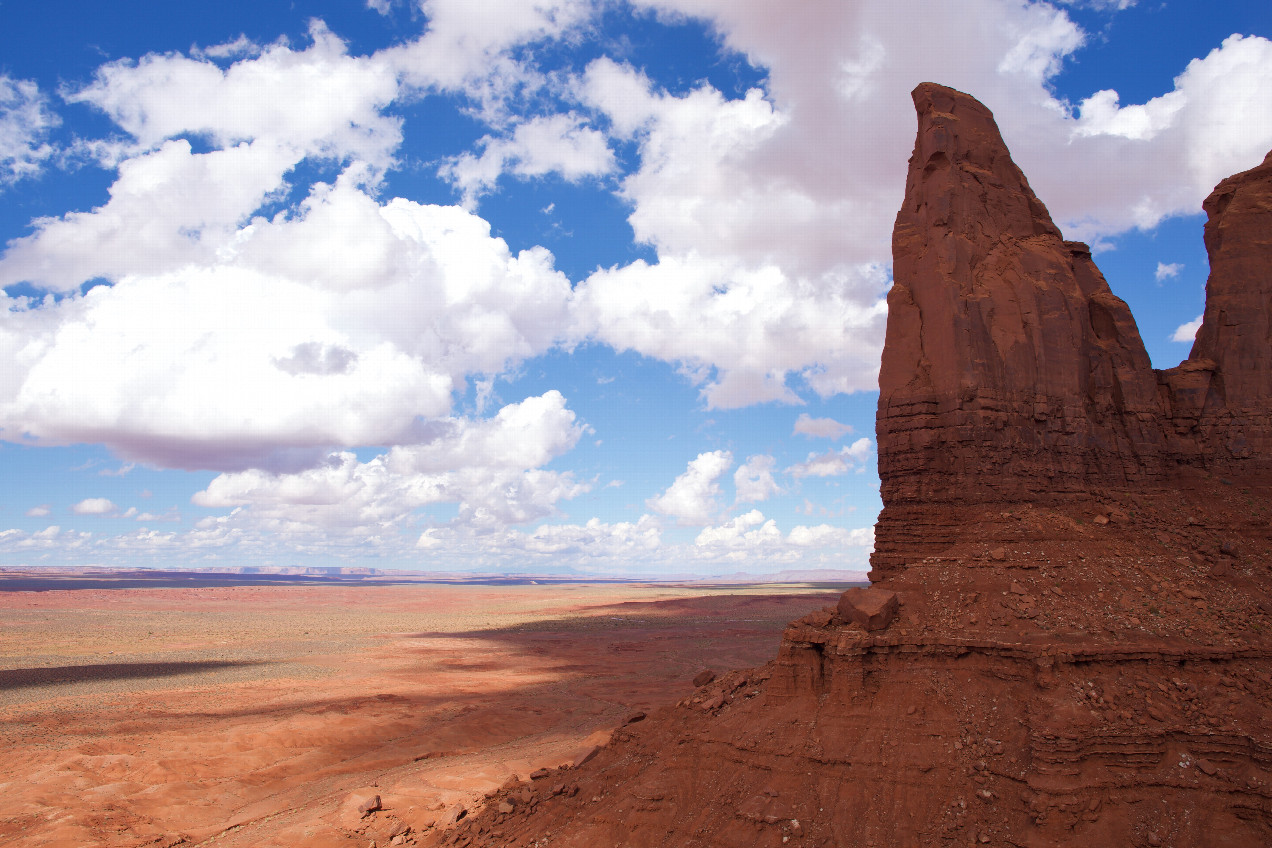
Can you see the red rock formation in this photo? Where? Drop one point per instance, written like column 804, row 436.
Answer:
column 1009, row 369
column 1082, row 650
column 1219, row 398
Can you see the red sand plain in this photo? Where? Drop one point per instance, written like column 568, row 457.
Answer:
column 262, row 715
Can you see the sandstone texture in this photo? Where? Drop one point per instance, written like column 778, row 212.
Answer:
column 1070, row 580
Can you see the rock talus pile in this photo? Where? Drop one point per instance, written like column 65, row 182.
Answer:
column 1068, row 636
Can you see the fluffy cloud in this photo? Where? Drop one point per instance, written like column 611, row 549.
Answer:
column 1134, row 164
column 25, row 120
column 749, row 530
column 168, row 208
column 621, row 542
column 229, row 341
column 692, row 499
column 833, row 463
column 1187, row 333
column 52, row 539
column 826, row 536
column 742, row 332
column 558, row 144
column 751, row 536
column 753, row 481
column 319, row 101
column 735, row 296
column 490, row 468
column 820, row 428
column 746, row 203
column 375, row 316
column 1167, row 271
column 171, row 206
column 94, row 506
column 469, row 48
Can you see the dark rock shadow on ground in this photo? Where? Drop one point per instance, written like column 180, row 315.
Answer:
column 20, row 678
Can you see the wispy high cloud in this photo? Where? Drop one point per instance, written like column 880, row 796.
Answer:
column 820, row 428
column 25, row 120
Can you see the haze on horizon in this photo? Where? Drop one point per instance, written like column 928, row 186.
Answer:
column 532, row 286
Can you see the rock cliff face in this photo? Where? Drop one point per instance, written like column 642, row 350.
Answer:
column 1009, row 368
column 1068, row 639
column 1218, row 399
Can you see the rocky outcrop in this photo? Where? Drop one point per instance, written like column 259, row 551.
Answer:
column 1012, row 372
column 1009, row 368
column 1218, row 399
column 1068, row 639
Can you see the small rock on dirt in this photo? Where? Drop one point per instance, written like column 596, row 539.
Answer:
column 704, row 677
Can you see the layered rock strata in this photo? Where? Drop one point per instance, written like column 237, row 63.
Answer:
column 1067, row 639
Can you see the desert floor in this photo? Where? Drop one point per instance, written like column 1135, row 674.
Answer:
column 262, row 715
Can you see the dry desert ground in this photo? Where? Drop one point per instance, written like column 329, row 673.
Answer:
column 259, row 715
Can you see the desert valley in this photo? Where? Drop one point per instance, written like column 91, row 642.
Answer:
column 233, row 713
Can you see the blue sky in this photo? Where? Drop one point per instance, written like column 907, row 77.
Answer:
column 532, row 286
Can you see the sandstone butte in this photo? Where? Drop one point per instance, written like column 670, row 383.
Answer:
column 1079, row 650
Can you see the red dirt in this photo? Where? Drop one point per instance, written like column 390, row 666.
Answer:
column 256, row 715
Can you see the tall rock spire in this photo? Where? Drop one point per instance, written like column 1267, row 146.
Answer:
column 1009, row 367
column 1220, row 398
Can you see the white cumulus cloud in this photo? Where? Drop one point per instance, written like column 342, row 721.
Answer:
column 366, row 319
column 749, row 530
column 319, row 101
column 833, row 463
column 490, row 468
column 94, row 506
column 1187, row 333
column 555, row 144
column 693, row 498
column 753, row 481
